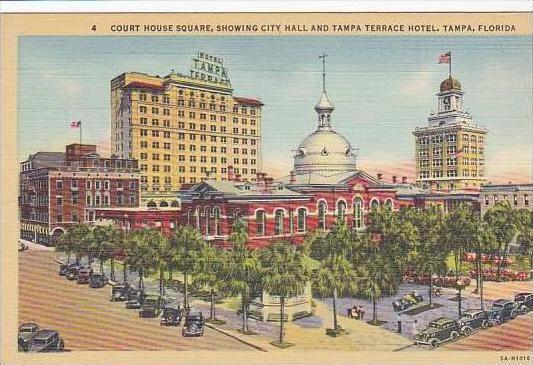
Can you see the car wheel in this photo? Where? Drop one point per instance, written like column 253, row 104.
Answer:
column 513, row 314
column 433, row 344
column 467, row 331
column 454, row 336
column 485, row 324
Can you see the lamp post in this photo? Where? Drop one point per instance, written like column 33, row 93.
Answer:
column 460, row 284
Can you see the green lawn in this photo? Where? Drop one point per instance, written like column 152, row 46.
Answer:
column 467, row 266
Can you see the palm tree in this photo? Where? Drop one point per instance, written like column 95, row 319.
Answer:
column 284, row 275
column 102, row 246
column 432, row 260
column 66, row 244
column 141, row 253
column 116, row 239
column 162, row 255
column 525, row 236
column 209, row 272
column 82, row 238
column 335, row 273
column 185, row 245
column 243, row 270
column 505, row 222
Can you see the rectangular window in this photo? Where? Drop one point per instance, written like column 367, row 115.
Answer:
column 120, row 199
column 74, row 198
column 106, row 200
column 59, row 184
column 526, row 200
column 59, row 201
column 97, row 185
column 302, row 220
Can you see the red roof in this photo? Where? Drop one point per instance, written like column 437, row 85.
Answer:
column 138, row 84
column 248, row 101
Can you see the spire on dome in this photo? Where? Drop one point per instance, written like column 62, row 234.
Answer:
column 324, row 107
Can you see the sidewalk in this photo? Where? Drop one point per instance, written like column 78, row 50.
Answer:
column 35, row 246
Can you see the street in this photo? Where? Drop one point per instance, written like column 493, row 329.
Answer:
column 87, row 320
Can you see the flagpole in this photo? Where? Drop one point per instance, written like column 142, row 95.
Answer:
column 450, row 64
column 80, row 131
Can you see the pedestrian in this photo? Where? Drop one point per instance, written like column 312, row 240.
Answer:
column 399, row 323
column 361, row 313
column 415, row 327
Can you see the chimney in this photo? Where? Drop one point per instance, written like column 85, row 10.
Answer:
column 268, row 183
column 404, row 179
column 231, row 173
column 292, row 178
column 380, row 176
column 394, row 179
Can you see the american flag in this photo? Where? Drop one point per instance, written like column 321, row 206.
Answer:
column 75, row 124
column 458, row 153
column 445, row 58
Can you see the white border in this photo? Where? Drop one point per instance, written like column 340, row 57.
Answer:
column 262, row 6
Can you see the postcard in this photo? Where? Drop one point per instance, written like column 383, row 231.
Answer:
column 208, row 188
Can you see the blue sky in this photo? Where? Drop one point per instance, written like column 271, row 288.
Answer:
column 382, row 88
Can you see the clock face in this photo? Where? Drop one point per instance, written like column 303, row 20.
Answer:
column 446, row 100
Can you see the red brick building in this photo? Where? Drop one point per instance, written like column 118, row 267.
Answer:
column 60, row 189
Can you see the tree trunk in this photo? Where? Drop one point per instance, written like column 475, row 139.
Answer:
column 185, row 291
column 500, row 261
column 282, row 310
column 374, row 311
column 170, row 271
column 101, row 266
column 112, row 273
column 212, row 315
column 161, row 280
column 335, row 325
column 140, row 278
column 430, row 290
column 244, row 320
column 531, row 265
column 124, row 276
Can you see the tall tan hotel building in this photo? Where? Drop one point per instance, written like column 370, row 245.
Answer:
column 185, row 128
column 450, row 150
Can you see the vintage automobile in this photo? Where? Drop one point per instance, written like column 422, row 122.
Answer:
column 23, row 247
column 171, row 317
column 64, row 268
column 472, row 320
column 26, row 332
column 72, row 273
column 120, row 293
column 84, row 275
column 439, row 330
column 46, row 341
column 502, row 310
column 135, row 299
column 98, row 281
column 151, row 307
column 524, row 302
column 194, row 324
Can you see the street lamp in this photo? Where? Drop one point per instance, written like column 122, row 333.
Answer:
column 460, row 284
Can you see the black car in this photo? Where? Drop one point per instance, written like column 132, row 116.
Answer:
column 524, row 302
column 26, row 332
column 194, row 324
column 502, row 310
column 120, row 293
column 151, row 307
column 46, row 341
column 84, row 275
column 63, row 269
column 135, row 299
column 171, row 317
column 439, row 330
column 98, row 281
column 72, row 272
column 472, row 320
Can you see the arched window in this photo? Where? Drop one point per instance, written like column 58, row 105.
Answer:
column 163, row 204
column 207, row 214
column 151, row 204
column 358, row 213
column 260, row 223
column 278, row 217
column 189, row 217
column 389, row 204
column 341, row 209
column 216, row 215
column 374, row 204
column 302, row 220
column 322, row 211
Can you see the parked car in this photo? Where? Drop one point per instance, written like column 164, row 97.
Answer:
column 64, row 268
column 524, row 302
column 98, row 281
column 72, row 273
column 472, row 320
column 171, row 317
column 407, row 301
column 439, row 330
column 151, row 307
column 46, row 341
column 22, row 246
column 135, row 299
column 84, row 275
column 194, row 324
column 26, row 332
column 120, row 293
column 502, row 310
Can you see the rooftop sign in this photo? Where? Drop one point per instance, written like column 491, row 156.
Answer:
column 209, row 68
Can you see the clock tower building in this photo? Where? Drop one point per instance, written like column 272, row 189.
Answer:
column 450, row 149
